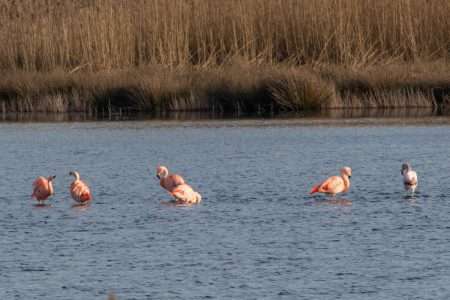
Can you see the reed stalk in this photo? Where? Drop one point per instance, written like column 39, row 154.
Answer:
column 156, row 55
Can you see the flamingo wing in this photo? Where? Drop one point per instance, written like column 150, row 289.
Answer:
column 171, row 182
column 176, row 179
column 185, row 193
column 332, row 185
column 410, row 178
column 80, row 191
column 85, row 194
column 39, row 181
column 41, row 189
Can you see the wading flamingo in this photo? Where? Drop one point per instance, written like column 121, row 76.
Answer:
column 409, row 177
column 177, row 187
column 79, row 190
column 166, row 180
column 43, row 188
column 335, row 184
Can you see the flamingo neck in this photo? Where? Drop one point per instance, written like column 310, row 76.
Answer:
column 76, row 175
column 346, row 181
column 164, row 173
column 406, row 168
column 50, row 187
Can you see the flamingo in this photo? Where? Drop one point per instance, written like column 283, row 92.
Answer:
column 79, row 190
column 43, row 188
column 335, row 184
column 166, row 180
column 177, row 187
column 409, row 177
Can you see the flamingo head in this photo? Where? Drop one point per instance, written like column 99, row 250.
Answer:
column 161, row 172
column 405, row 168
column 51, row 178
column 346, row 171
column 75, row 174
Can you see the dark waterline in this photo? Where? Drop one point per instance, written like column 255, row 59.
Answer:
column 257, row 234
column 410, row 114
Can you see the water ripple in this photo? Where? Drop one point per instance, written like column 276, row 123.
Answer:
column 257, row 234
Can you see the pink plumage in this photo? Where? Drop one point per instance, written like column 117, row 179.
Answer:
column 79, row 190
column 42, row 188
column 177, row 187
column 186, row 195
column 335, row 184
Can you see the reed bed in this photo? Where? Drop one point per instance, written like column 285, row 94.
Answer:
column 107, row 34
column 237, row 55
column 241, row 88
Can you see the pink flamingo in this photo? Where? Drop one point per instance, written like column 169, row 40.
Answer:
column 43, row 188
column 177, row 187
column 168, row 181
column 409, row 177
column 79, row 190
column 335, row 184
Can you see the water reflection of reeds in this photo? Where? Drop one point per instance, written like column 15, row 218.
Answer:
column 331, row 116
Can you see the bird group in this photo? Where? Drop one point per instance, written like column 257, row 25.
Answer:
column 79, row 190
column 184, row 194
column 341, row 184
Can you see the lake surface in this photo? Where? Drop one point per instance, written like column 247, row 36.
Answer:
column 256, row 235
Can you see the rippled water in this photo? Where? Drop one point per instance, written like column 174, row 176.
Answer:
column 257, row 234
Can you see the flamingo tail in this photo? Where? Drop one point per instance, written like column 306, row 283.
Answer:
column 85, row 197
column 315, row 189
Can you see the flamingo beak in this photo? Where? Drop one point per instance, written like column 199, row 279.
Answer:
column 53, row 177
column 349, row 176
column 157, row 176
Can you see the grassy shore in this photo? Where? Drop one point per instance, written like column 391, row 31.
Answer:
column 242, row 88
column 239, row 55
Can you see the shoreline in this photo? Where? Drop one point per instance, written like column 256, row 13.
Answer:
column 329, row 117
column 236, row 88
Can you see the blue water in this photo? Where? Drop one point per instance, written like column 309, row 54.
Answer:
column 256, row 235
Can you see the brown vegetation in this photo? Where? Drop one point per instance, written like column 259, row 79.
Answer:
column 243, row 88
column 237, row 55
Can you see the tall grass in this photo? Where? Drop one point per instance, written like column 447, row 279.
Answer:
column 108, row 34
column 228, row 88
column 235, row 55
column 232, row 88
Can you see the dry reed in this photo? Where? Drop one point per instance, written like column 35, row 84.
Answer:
column 243, row 88
column 240, row 55
column 106, row 34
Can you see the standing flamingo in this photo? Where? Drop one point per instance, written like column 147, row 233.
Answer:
column 177, row 187
column 43, row 188
column 410, row 180
column 79, row 190
column 335, row 184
